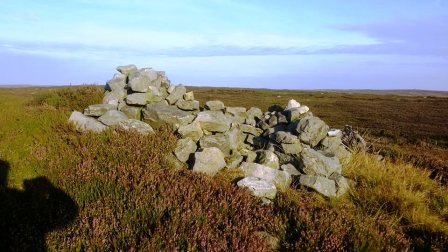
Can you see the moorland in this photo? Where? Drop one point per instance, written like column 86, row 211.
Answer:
column 108, row 191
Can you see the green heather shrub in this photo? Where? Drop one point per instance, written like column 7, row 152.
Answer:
column 71, row 98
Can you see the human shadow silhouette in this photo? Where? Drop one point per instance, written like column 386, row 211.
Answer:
column 26, row 216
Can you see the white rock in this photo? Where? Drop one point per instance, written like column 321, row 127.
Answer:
column 303, row 109
column 258, row 187
column 292, row 104
column 333, row 132
column 85, row 123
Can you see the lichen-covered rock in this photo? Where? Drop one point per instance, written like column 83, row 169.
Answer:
column 251, row 130
column 176, row 94
column 237, row 114
column 209, row 161
column 335, row 146
column 291, row 169
column 254, row 112
column 127, row 69
column 285, row 137
column 142, row 98
column 85, row 123
column 213, row 121
column 98, row 109
column 312, row 130
column 316, row 163
column 112, row 117
column 292, row 149
column 189, row 96
column 324, row 186
column 268, row 158
column 132, row 112
column 233, row 161
column 184, row 148
column 114, row 97
column 280, row 179
column 187, row 105
column 215, row 105
column 258, row 187
column 136, row 125
column 192, row 130
column 158, row 114
column 117, row 82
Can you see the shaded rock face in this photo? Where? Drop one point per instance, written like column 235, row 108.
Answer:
column 268, row 147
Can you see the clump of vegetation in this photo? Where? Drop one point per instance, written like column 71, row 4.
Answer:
column 71, row 98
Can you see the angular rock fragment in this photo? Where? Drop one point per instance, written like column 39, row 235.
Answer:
column 292, row 104
column 292, row 149
column 132, row 112
column 259, row 187
column 176, row 94
column 85, row 123
column 158, row 114
column 135, row 125
column 192, row 130
column 117, row 82
column 280, row 179
column 268, row 158
column 311, row 130
column 112, row 117
column 213, row 121
column 215, row 105
column 98, row 109
column 114, row 97
column 291, row 169
column 209, row 161
column 341, row 183
column 184, row 148
column 324, row 186
column 142, row 98
column 316, row 163
column 127, row 69
column 189, row 96
column 187, row 105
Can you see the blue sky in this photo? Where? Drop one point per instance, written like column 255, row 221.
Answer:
column 352, row 44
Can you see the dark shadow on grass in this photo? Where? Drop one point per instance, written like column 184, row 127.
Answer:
column 27, row 216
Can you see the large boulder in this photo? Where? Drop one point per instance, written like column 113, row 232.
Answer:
column 316, row 163
column 159, row 114
column 258, row 187
column 184, row 148
column 311, row 130
column 143, row 82
column 324, row 186
column 280, row 179
column 98, row 109
column 113, row 117
column 135, row 125
column 85, row 123
column 213, row 121
column 209, row 161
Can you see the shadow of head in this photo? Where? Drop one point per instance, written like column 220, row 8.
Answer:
column 52, row 206
column 4, row 169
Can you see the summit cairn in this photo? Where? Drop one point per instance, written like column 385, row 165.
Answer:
column 272, row 149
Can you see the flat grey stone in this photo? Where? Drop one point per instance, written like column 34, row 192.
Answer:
column 291, row 169
column 316, row 163
column 280, row 179
column 258, row 187
column 85, row 123
column 98, row 109
column 213, row 121
column 127, row 69
column 192, row 130
column 176, row 94
column 184, row 148
column 322, row 185
column 209, row 161
column 215, row 105
column 187, row 105
column 158, row 114
column 112, row 117
column 142, row 98
column 136, row 125
column 312, row 130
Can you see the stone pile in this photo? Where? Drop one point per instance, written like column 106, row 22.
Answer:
column 272, row 148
